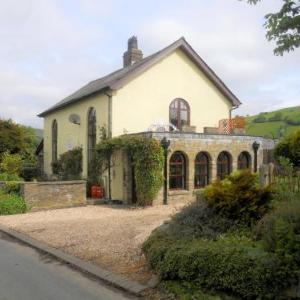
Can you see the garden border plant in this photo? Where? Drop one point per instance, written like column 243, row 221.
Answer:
column 237, row 238
column 147, row 158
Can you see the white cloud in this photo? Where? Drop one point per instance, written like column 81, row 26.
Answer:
column 231, row 39
column 49, row 48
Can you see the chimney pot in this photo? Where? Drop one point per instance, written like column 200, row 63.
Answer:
column 132, row 54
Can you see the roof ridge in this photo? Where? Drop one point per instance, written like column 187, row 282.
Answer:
column 118, row 78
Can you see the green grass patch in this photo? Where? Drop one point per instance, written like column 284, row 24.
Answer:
column 11, row 204
column 274, row 129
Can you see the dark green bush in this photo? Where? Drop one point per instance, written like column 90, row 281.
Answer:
column 69, row 165
column 239, row 197
column 289, row 147
column 260, row 119
column 197, row 220
column 231, row 264
column 277, row 117
column 293, row 120
column 280, row 231
column 11, row 204
column 29, row 172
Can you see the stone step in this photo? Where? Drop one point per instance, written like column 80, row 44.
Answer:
column 93, row 201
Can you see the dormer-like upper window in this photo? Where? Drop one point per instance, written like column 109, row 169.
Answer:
column 91, row 143
column 54, row 141
column 179, row 113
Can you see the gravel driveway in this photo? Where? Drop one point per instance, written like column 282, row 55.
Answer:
column 110, row 236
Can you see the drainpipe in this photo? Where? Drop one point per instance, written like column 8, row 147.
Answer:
column 165, row 145
column 109, row 116
column 109, row 135
column 230, row 115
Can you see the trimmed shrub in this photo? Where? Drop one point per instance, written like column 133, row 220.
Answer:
column 239, row 197
column 197, row 220
column 280, row 231
column 11, row 204
column 233, row 264
column 29, row 172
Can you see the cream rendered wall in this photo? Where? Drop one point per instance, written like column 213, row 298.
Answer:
column 146, row 99
column 71, row 135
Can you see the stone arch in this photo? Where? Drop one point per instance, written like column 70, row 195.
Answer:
column 178, row 171
column 224, row 164
column 244, row 161
column 202, row 165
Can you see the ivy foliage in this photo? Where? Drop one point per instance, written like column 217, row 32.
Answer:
column 147, row 159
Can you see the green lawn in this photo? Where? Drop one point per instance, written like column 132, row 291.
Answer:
column 274, row 129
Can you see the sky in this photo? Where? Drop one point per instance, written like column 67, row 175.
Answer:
column 50, row 48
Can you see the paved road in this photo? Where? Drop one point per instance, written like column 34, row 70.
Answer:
column 28, row 275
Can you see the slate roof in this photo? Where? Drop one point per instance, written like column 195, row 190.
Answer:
column 117, row 79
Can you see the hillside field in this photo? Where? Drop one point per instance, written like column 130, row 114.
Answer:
column 274, row 124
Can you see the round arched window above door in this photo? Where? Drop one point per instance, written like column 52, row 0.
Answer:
column 179, row 113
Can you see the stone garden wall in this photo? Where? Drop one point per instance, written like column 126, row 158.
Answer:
column 56, row 194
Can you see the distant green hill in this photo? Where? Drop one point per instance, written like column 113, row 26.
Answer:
column 274, row 124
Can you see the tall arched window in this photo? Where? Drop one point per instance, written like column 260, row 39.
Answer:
column 244, row 161
column 54, row 141
column 223, row 165
column 177, row 176
column 179, row 113
column 201, row 170
column 91, row 136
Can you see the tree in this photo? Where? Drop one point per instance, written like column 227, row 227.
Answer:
column 289, row 147
column 17, row 139
column 284, row 26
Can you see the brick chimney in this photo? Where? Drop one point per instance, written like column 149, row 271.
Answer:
column 132, row 54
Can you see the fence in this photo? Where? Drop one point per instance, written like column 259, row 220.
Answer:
column 289, row 178
column 228, row 126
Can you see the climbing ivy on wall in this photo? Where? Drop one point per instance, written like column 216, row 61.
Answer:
column 147, row 157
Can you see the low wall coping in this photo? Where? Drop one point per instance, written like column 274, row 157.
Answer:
column 67, row 182
column 47, row 182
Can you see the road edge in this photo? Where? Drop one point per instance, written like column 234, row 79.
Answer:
column 108, row 277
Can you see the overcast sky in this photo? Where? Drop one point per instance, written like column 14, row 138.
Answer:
column 50, row 48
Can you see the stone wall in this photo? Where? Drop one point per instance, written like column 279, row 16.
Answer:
column 191, row 144
column 56, row 194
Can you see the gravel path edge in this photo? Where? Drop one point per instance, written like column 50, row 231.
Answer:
column 108, row 277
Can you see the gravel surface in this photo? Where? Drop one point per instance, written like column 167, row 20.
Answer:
column 110, row 236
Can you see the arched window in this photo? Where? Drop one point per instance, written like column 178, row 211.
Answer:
column 91, row 136
column 244, row 161
column 177, row 174
column 54, row 141
column 179, row 113
column 223, row 165
column 201, row 170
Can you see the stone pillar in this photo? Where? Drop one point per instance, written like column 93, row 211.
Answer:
column 191, row 172
column 213, row 170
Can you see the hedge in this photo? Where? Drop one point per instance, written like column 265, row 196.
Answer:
column 233, row 265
